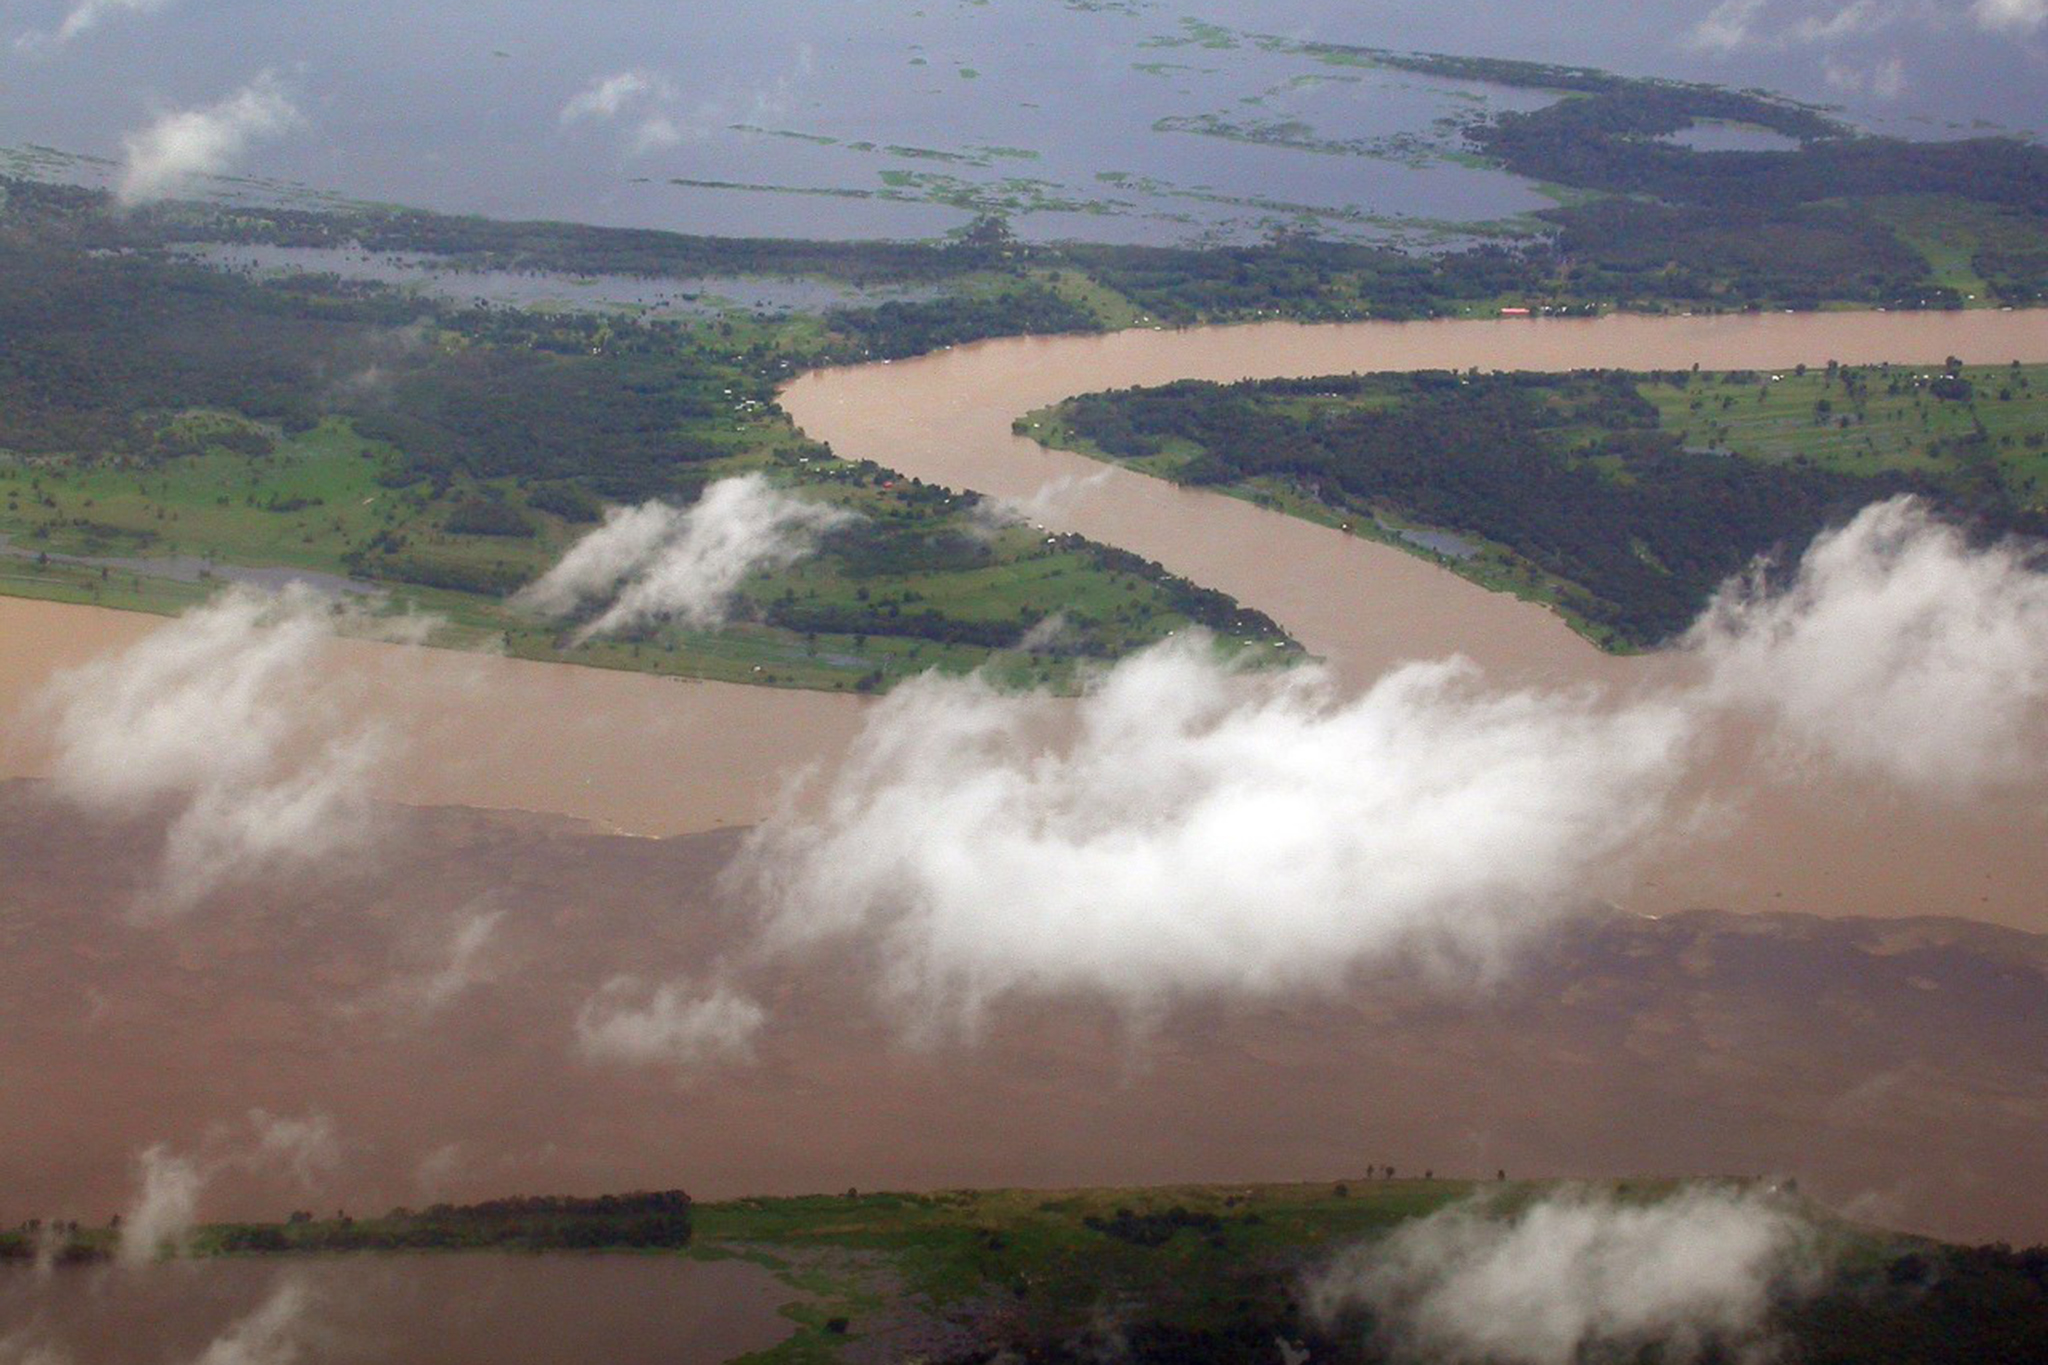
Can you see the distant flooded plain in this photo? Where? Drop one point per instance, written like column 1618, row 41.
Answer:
column 658, row 756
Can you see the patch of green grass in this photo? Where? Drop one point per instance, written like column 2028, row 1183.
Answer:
column 1868, row 419
column 1040, row 1265
column 1518, row 472
column 1110, row 308
column 1041, row 1272
column 1953, row 234
column 950, row 592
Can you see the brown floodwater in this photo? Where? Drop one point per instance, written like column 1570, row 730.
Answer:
column 485, row 1308
column 630, row 752
column 1840, row 1050
column 658, row 756
column 1824, row 842
column 945, row 418
column 1899, row 1067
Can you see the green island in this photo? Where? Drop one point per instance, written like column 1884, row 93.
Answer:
column 1207, row 1272
column 167, row 424
column 1623, row 499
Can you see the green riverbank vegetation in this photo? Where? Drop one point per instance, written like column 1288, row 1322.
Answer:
column 1182, row 1273
column 1624, row 499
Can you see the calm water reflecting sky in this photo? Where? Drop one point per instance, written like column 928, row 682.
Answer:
column 1083, row 117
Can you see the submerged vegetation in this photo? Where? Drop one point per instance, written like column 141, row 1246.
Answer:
column 164, row 424
column 1623, row 498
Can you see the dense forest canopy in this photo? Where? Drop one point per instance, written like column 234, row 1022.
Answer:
column 481, row 438
column 1632, row 510
column 153, row 406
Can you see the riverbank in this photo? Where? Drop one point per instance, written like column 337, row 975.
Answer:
column 654, row 756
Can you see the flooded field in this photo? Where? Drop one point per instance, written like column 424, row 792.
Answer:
column 441, row 277
column 1900, row 1066
column 395, row 1310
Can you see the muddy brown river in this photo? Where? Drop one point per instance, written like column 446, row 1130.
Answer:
column 395, row 1310
column 658, row 756
column 1839, row 1050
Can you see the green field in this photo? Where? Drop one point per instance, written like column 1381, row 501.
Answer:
column 1623, row 500
column 926, row 567
column 167, row 427
column 1191, row 1273
column 1864, row 419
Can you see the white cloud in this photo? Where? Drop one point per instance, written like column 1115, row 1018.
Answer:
column 275, row 1334
column 2010, row 16
column 1886, row 79
column 1728, row 27
column 648, row 100
column 607, row 96
column 655, row 562
column 305, row 1147
column 230, row 720
column 1186, row 828
column 1747, row 25
column 1578, row 1273
column 1208, row 830
column 654, row 132
column 162, row 158
column 82, row 18
column 165, row 1207
column 1862, row 16
column 442, row 963
column 1896, row 648
column 628, row 1021
column 1050, row 502
column 167, row 1203
column 464, row 963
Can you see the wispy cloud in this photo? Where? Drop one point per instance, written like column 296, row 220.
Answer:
column 656, row 563
column 1885, row 79
column 1896, row 648
column 640, row 98
column 1204, row 829
column 608, row 96
column 653, row 133
column 1728, row 27
column 180, row 146
column 231, row 721
column 464, row 961
column 1188, row 828
column 82, row 18
column 673, row 1022
column 1050, row 502
column 1861, row 16
column 2010, row 16
column 166, row 1205
column 1765, row 25
column 170, row 1185
column 304, row 1146
column 274, row 1334
column 1579, row 1273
